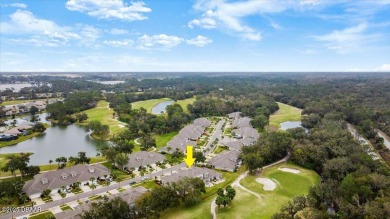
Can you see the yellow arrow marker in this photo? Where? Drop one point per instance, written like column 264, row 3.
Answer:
column 190, row 159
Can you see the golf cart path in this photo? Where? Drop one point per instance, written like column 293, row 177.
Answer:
column 236, row 183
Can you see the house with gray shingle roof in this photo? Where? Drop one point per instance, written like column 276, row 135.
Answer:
column 130, row 196
column 187, row 136
column 143, row 159
column 207, row 175
column 226, row 160
column 56, row 179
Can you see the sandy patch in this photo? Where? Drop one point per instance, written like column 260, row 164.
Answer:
column 285, row 169
column 269, row 185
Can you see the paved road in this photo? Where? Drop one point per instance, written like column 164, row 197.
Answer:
column 216, row 134
column 94, row 192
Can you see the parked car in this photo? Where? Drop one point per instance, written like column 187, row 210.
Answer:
column 133, row 182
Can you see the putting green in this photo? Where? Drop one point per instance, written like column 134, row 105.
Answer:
column 289, row 185
column 284, row 114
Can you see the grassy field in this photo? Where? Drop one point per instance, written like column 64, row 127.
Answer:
column 20, row 139
column 199, row 211
column 185, row 102
column 162, row 140
column 104, row 114
column 13, row 102
column 148, row 104
column 284, row 114
column 202, row 209
column 246, row 205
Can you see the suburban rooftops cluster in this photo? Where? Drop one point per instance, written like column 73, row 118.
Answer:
column 187, row 136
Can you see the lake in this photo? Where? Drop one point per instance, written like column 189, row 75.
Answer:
column 56, row 142
column 161, row 107
column 16, row 87
column 290, row 125
column 111, row 82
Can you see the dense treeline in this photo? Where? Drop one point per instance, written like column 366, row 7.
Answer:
column 185, row 192
column 362, row 102
column 74, row 103
column 269, row 148
column 253, row 105
column 352, row 185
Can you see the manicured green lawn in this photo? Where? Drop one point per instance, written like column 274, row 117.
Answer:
column 185, row 102
column 42, row 215
column 202, row 209
column 148, row 104
column 105, row 115
column 289, row 185
column 199, row 211
column 13, row 102
column 65, row 207
column 284, row 114
column 3, row 160
column 219, row 149
column 162, row 140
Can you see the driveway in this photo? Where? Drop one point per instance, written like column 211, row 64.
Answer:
column 217, row 134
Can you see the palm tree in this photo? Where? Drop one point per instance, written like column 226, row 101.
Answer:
column 50, row 162
column 93, row 187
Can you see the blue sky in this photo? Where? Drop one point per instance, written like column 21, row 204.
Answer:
column 195, row 35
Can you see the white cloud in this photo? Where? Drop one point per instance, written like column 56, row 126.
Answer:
column 119, row 43
column 384, row 67
column 161, row 41
column 347, row 40
column 41, row 32
column 200, row 41
column 39, row 41
column 229, row 15
column 25, row 22
column 110, row 9
column 18, row 5
column 116, row 31
column 89, row 34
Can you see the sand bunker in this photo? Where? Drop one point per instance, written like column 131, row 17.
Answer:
column 285, row 169
column 269, row 185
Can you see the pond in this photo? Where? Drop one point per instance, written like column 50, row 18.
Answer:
column 25, row 120
column 161, row 107
column 291, row 125
column 57, row 142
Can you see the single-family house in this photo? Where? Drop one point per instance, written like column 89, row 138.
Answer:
column 207, row 175
column 226, row 160
column 143, row 159
column 57, row 179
